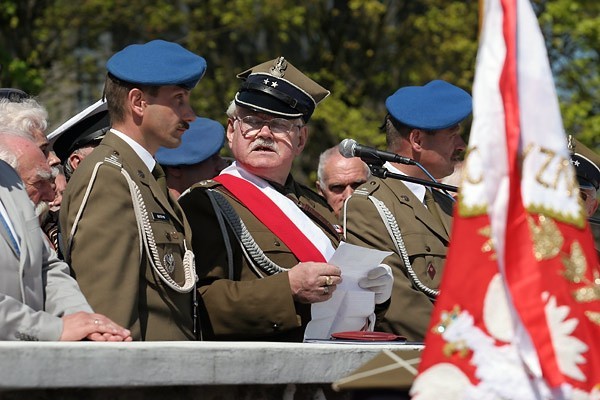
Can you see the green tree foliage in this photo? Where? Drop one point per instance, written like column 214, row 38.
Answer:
column 362, row 50
column 572, row 32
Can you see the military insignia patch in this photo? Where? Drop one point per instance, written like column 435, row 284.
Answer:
column 431, row 271
column 169, row 262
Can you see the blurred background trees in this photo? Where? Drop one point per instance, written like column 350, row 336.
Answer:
column 362, row 50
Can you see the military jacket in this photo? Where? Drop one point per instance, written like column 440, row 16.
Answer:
column 250, row 304
column 106, row 255
column 426, row 240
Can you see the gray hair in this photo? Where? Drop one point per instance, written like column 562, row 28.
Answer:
column 325, row 156
column 232, row 109
column 25, row 115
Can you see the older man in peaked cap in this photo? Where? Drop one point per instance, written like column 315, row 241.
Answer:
column 266, row 266
column 586, row 162
column 196, row 159
column 72, row 141
column 126, row 238
column 77, row 137
column 423, row 123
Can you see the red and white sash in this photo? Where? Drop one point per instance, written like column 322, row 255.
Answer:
column 278, row 213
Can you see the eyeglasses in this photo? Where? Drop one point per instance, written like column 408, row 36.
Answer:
column 584, row 193
column 279, row 127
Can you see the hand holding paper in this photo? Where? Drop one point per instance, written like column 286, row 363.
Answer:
column 351, row 307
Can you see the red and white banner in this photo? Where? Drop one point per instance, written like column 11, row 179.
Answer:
column 518, row 316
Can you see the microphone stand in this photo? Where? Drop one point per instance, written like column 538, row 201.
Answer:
column 379, row 171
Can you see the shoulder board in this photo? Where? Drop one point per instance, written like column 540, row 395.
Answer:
column 367, row 188
column 206, row 184
column 310, row 194
column 113, row 160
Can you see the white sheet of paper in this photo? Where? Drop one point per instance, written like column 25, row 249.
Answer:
column 350, row 306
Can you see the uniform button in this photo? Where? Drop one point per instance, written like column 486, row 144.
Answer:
column 275, row 326
column 141, row 174
column 277, row 243
column 404, row 198
column 168, row 235
column 427, row 248
column 373, row 183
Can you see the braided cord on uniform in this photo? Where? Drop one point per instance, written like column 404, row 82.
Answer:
column 396, row 236
column 252, row 251
column 150, row 243
column 86, row 195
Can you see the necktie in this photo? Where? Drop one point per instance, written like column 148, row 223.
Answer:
column 10, row 235
column 160, row 177
column 430, row 203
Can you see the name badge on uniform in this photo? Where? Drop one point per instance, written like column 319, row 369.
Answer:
column 169, row 262
column 160, row 217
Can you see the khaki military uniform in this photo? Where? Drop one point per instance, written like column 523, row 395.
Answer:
column 426, row 239
column 248, row 303
column 106, row 255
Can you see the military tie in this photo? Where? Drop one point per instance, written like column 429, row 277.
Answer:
column 430, row 203
column 161, row 178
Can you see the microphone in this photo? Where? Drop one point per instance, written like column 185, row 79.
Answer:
column 350, row 148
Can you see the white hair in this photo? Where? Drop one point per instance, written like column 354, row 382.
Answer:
column 25, row 115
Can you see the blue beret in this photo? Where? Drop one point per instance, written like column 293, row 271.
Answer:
column 437, row 105
column 157, row 63
column 277, row 87
column 202, row 140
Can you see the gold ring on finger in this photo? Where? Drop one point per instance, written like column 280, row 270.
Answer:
column 328, row 280
column 325, row 289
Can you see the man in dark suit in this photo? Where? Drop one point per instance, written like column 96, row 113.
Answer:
column 410, row 219
column 125, row 237
column 38, row 298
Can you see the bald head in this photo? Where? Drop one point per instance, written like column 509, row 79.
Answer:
column 338, row 176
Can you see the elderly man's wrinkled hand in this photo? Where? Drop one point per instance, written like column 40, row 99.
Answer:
column 96, row 327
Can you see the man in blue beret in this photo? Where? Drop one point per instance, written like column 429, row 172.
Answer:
column 196, row 159
column 126, row 238
column 409, row 219
column 261, row 238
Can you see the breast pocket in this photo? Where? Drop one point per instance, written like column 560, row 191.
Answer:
column 427, row 255
column 169, row 248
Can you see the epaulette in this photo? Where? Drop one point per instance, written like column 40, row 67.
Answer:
column 114, row 159
column 367, row 188
column 205, row 184
column 310, row 194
